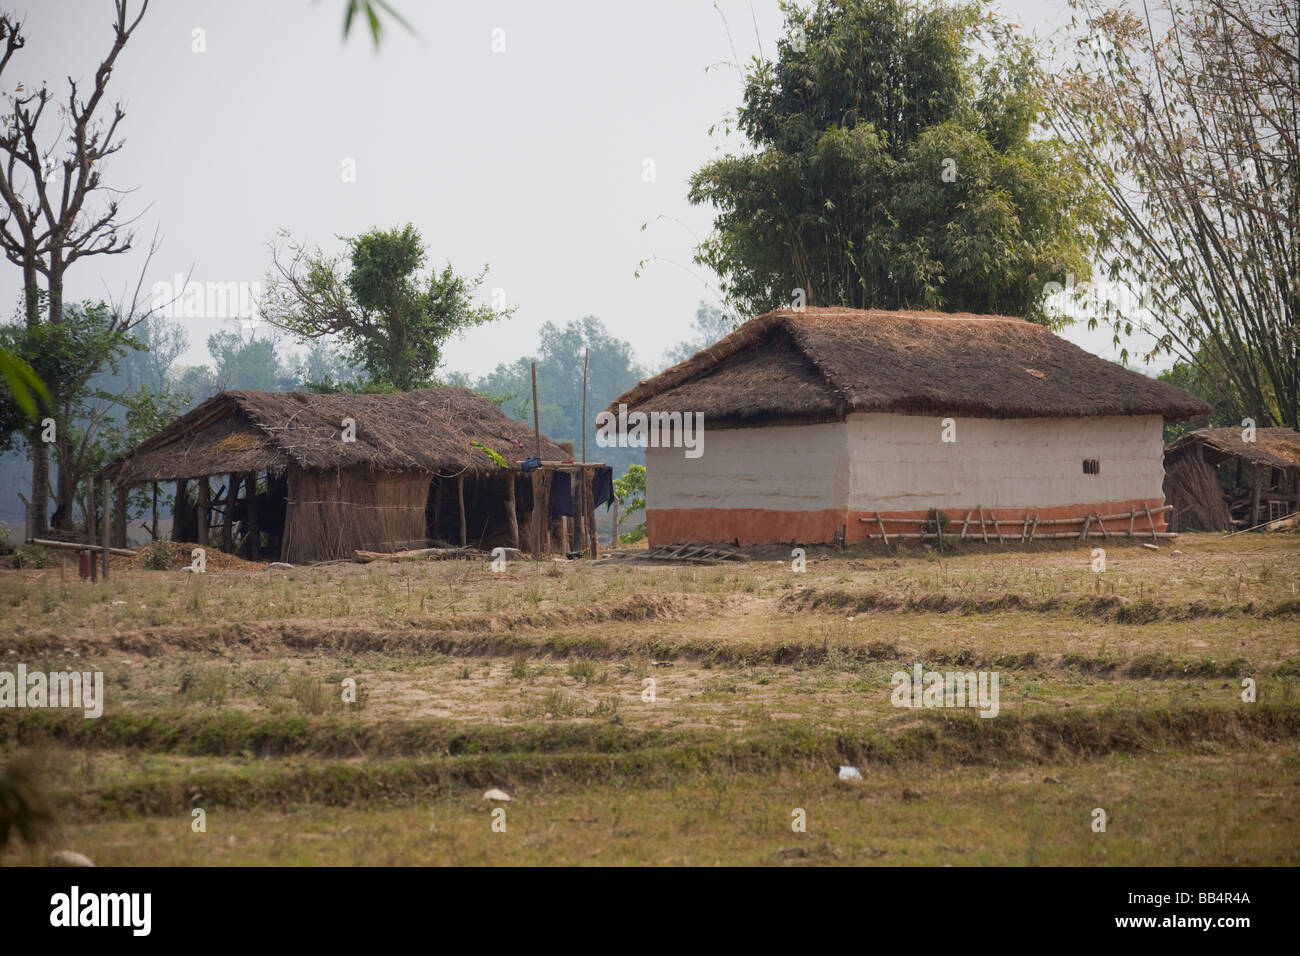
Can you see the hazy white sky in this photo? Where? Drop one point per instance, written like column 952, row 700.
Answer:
column 529, row 160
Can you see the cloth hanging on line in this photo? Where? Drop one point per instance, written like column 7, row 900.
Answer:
column 561, row 495
column 602, row 487
column 528, row 464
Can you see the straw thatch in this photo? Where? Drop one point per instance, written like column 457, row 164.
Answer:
column 1272, row 447
column 820, row 364
column 430, row 431
column 333, row 513
column 1192, row 487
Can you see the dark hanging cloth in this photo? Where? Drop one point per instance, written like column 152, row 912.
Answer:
column 528, row 464
column 561, row 495
column 602, row 487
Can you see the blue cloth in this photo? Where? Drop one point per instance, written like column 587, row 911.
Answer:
column 602, row 488
column 528, row 464
column 561, row 496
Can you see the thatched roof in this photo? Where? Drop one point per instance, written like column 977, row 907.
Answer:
column 1274, row 447
column 431, row 430
column 822, row 363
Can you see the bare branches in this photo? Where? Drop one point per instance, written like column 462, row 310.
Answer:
column 47, row 224
column 1191, row 126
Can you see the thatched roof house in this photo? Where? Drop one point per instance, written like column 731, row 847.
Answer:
column 1260, row 484
column 832, row 424
column 330, row 474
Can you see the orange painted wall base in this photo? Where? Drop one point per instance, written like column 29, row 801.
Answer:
column 747, row 526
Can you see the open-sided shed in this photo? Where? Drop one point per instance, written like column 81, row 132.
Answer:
column 310, row 477
column 1260, row 484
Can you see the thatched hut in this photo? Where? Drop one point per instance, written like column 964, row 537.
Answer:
column 1220, row 479
column 832, row 424
column 323, row 476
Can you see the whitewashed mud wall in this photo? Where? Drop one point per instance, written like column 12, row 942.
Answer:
column 797, row 468
column 898, row 463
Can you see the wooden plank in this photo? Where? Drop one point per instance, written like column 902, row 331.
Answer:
column 882, row 528
column 965, row 524
column 78, row 546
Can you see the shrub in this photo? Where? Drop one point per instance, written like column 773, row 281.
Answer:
column 29, row 556
column 156, row 557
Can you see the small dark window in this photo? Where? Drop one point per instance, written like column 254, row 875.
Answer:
column 1091, row 466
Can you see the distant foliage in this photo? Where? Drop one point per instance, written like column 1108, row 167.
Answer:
column 891, row 166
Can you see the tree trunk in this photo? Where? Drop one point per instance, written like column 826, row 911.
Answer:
column 119, row 517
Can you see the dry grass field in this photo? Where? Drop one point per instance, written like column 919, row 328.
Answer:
column 225, row 692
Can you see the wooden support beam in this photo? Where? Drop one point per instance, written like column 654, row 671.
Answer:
column 205, row 493
column 965, row 524
column 153, row 528
column 511, row 516
column 882, row 528
column 253, row 534
column 108, row 488
column 460, row 497
column 228, row 518
column 984, row 531
column 90, row 526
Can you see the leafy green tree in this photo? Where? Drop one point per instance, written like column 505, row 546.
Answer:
column 630, row 491
column 66, row 356
column 391, row 320
column 251, row 363
column 893, row 167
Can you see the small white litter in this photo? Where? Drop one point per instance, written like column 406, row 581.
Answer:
column 1150, row 547
column 495, row 794
column 850, row 773
column 279, row 566
column 69, row 858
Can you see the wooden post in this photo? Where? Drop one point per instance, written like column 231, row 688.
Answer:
column 107, row 524
column 460, row 496
column 539, row 509
column 576, row 482
column 965, row 523
column 1152, row 522
column 590, row 514
column 510, row 510
column 1254, row 506
column 882, row 527
column 984, row 531
column 252, row 534
column 1087, row 523
column 436, row 531
column 205, row 491
column 993, row 516
column 613, row 538
column 537, row 430
column 153, row 529
column 228, row 519
column 90, row 527
column 181, row 506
